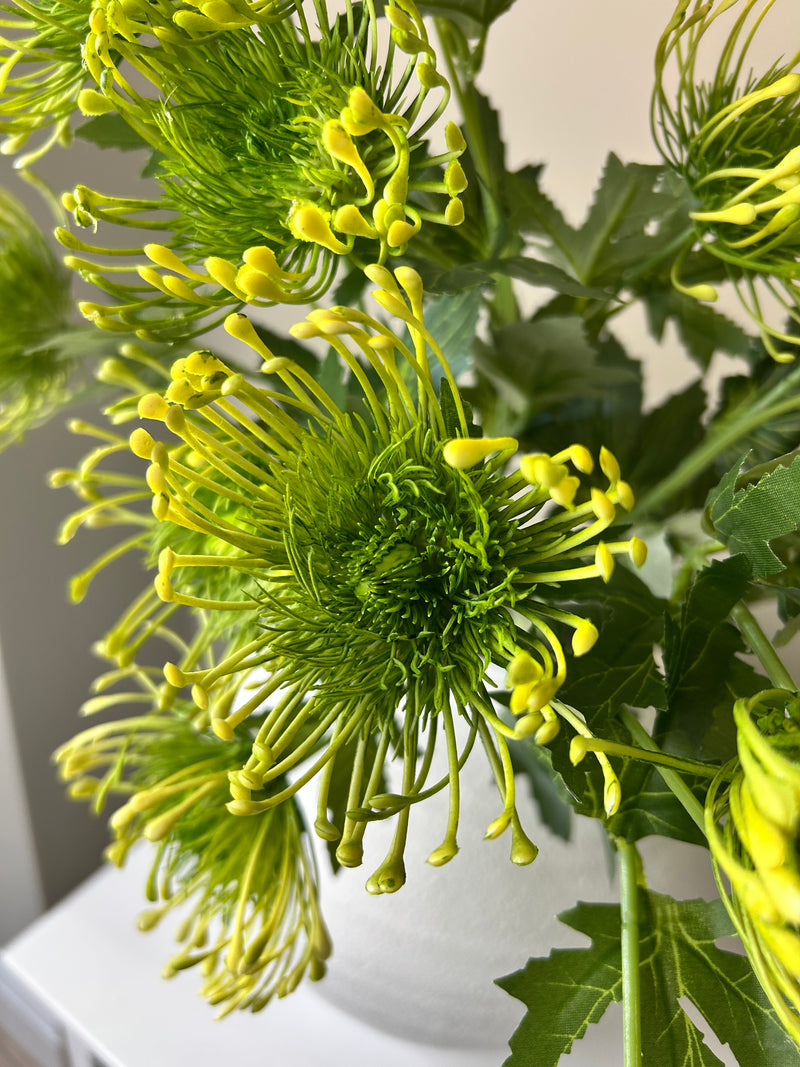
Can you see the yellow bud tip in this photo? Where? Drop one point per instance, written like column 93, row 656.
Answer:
column 625, row 495
column 637, row 550
column 584, row 638
column 465, row 452
column 443, row 854
column 612, row 796
column 706, row 293
column 454, row 139
column 308, row 223
column 223, row 729
column 528, row 724
column 350, row 854
column 602, row 506
column 523, row 850
column 200, row 697
column 153, row 406
column 454, row 213
column 523, row 669
column 609, row 465
column 455, row 180
column 92, row 103
column 497, row 826
column 581, row 458
column 539, row 469
column 174, row 675
column 542, row 694
column 738, row 215
column 577, row 750
column 547, row 732
column 564, row 493
column 604, row 561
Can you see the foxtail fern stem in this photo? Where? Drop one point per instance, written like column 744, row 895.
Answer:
column 779, row 400
column 672, row 779
column 762, row 647
column 629, row 913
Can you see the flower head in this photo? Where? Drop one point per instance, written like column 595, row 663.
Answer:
column 246, row 887
column 387, row 559
column 736, row 142
column 38, row 348
column 757, row 847
column 279, row 152
column 42, row 74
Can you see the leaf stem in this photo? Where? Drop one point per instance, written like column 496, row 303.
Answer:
column 762, row 647
column 629, row 909
column 673, row 780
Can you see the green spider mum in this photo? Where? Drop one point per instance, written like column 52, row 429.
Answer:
column 246, row 888
column 42, row 73
column 387, row 559
column 279, row 152
column 753, row 829
column 736, row 142
column 38, row 345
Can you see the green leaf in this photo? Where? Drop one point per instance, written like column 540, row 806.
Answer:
column 534, row 272
column 701, row 328
column 453, row 320
column 614, row 236
column 479, row 13
column 748, row 519
column 703, row 669
column 536, row 366
column 111, row 131
column 572, row 988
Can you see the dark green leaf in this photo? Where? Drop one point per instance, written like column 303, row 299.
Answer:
column 748, row 519
column 453, row 320
column 536, row 366
column 572, row 988
column 110, row 131
column 479, row 13
column 665, row 437
column 704, row 673
column 702, row 330
column 532, row 271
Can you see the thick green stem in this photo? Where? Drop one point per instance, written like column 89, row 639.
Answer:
column 762, row 647
column 629, row 908
column 673, row 780
column 721, row 436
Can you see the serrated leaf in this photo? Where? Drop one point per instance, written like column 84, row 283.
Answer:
column 701, row 328
column 534, row 272
column 749, row 519
column 110, row 131
column 538, row 365
column 703, row 671
column 572, row 988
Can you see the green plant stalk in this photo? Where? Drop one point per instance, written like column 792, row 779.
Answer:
column 629, row 913
column 762, row 647
column 672, row 779
column 772, row 405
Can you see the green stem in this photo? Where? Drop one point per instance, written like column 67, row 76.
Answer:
column 658, row 759
column 673, row 780
column 726, row 432
column 762, row 647
column 629, row 907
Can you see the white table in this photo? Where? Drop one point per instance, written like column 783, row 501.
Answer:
column 98, row 977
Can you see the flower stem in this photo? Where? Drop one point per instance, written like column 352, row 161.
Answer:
column 762, row 647
column 673, row 780
column 629, row 909
column 779, row 400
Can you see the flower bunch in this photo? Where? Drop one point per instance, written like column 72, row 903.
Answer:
column 735, row 140
column 262, row 192
column 757, row 847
